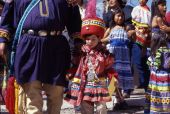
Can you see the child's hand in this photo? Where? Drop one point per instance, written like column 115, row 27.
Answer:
column 116, row 83
column 69, row 76
column 131, row 33
column 165, row 28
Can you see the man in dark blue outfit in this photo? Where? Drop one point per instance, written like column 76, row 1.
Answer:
column 42, row 53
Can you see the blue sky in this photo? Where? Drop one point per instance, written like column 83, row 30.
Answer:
column 135, row 2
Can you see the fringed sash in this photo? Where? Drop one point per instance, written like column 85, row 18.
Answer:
column 18, row 33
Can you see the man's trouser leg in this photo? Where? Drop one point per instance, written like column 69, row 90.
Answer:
column 54, row 98
column 21, row 101
column 34, row 101
column 139, row 61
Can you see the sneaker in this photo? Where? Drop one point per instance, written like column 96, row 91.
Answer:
column 140, row 87
column 116, row 107
column 124, row 105
column 77, row 109
column 120, row 106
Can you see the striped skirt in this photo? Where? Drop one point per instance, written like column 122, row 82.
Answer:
column 93, row 92
column 122, row 66
column 158, row 94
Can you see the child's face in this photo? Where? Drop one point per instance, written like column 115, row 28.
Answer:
column 119, row 18
column 92, row 41
column 162, row 8
column 143, row 2
column 113, row 3
column 1, row 8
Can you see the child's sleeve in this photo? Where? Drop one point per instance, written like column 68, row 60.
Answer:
column 106, row 36
column 110, row 72
column 131, row 31
column 134, row 13
column 157, row 62
column 109, row 61
column 71, row 72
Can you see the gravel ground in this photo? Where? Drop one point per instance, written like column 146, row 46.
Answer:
column 135, row 105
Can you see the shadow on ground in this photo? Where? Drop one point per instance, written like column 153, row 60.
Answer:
column 134, row 107
column 130, row 110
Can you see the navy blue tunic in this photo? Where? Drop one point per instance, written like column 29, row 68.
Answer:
column 41, row 58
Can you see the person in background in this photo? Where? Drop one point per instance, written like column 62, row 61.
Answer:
column 167, row 16
column 158, row 93
column 1, row 64
column 1, row 7
column 82, row 6
column 127, row 11
column 40, row 53
column 141, row 19
column 117, row 37
column 129, row 27
column 112, row 4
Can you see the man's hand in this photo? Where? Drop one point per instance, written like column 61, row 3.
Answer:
column 165, row 28
column 69, row 76
column 72, row 2
column 3, row 51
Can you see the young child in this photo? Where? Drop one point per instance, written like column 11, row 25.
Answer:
column 158, row 94
column 90, row 81
column 118, row 45
column 141, row 20
column 89, row 85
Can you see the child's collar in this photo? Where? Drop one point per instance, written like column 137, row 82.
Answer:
column 145, row 7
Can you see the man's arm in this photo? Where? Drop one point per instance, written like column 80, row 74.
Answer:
column 74, row 22
column 6, row 22
column 6, row 26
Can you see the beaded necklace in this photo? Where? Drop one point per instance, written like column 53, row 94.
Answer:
column 91, row 73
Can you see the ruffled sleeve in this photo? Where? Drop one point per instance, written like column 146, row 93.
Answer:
column 110, row 72
column 6, row 24
column 157, row 60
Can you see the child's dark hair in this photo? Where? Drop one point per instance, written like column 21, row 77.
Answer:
column 87, row 35
column 159, row 39
column 114, row 12
column 2, row 3
column 154, row 8
column 122, row 3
